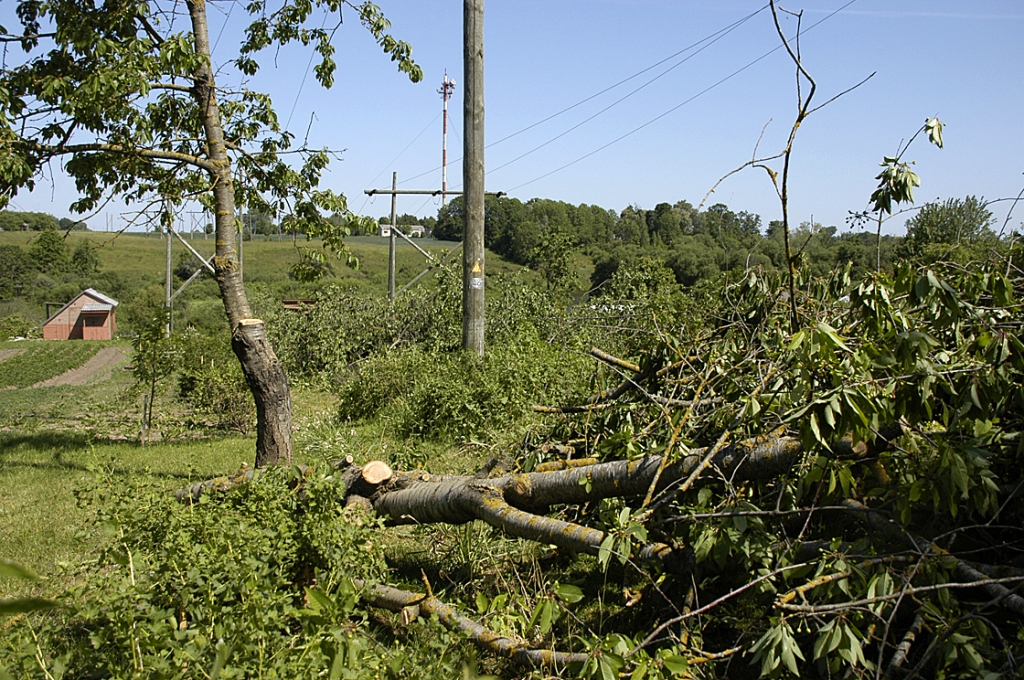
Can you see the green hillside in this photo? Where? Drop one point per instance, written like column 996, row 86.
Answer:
column 132, row 269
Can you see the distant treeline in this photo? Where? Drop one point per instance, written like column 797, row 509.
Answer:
column 11, row 220
column 699, row 244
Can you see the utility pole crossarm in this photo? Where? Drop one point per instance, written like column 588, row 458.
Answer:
column 204, row 260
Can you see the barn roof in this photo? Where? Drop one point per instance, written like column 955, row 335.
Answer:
column 105, row 303
column 99, row 296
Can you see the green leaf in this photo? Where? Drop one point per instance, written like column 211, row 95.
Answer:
column 813, row 422
column 319, row 600
column 958, row 473
column 832, row 335
column 639, row 672
column 827, row 640
column 604, row 552
column 568, row 593
column 676, row 664
column 547, row 608
column 223, row 652
column 22, row 605
column 933, row 126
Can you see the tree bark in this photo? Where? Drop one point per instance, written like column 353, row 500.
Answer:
column 264, row 374
column 516, row 503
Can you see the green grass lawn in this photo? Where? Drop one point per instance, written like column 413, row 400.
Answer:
column 56, row 441
column 41, row 525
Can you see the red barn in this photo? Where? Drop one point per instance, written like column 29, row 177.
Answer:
column 90, row 316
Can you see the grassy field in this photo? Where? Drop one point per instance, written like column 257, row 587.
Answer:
column 57, row 441
column 143, row 256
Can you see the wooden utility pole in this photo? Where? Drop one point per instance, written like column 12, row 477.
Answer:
column 473, row 177
column 391, row 239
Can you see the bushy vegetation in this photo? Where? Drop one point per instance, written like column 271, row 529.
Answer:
column 889, row 547
column 254, row 583
column 819, row 569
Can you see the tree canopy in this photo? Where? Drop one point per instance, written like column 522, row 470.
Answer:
column 952, row 225
column 125, row 95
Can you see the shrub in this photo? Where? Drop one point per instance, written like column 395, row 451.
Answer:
column 458, row 395
column 253, row 582
column 17, row 326
column 341, row 328
column 210, row 380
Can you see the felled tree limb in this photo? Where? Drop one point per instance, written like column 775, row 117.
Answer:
column 967, row 574
column 598, row 402
column 192, row 493
column 396, row 600
column 440, row 499
column 613, row 360
column 962, row 571
column 511, row 503
column 900, row 655
column 555, row 465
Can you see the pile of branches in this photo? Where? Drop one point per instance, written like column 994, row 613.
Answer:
column 842, row 496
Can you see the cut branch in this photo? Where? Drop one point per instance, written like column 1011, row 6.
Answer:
column 396, row 600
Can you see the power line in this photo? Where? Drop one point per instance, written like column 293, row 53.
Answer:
column 223, row 26
column 714, row 37
column 680, row 105
column 456, row 131
column 302, row 83
column 400, row 153
column 628, row 95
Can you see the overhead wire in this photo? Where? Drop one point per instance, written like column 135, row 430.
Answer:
column 220, row 34
column 713, row 37
column 305, row 74
column 400, row 153
column 680, row 105
column 623, row 98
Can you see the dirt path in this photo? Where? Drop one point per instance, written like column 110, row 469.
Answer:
column 8, row 353
column 98, row 368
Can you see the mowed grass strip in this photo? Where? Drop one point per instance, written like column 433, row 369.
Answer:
column 43, row 360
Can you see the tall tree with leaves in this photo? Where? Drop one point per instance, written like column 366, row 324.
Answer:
column 939, row 229
column 124, row 93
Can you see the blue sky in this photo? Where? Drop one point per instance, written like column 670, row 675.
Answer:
column 959, row 61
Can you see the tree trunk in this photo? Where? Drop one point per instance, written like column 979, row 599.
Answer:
column 263, row 372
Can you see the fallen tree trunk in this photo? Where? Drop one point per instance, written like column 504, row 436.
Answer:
column 453, row 499
column 516, row 503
